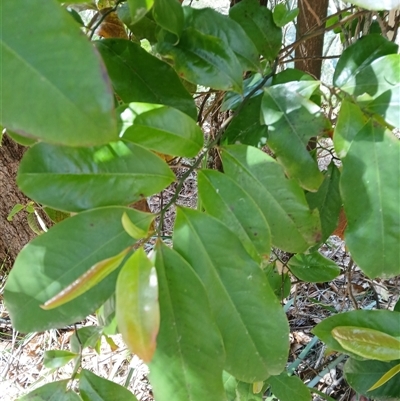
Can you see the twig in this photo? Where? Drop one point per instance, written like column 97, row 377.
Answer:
column 349, row 287
column 103, row 17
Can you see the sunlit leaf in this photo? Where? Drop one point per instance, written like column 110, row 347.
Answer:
column 386, row 377
column 56, row 358
column 45, row 101
column 132, row 229
column 139, row 8
column 137, row 308
column 282, row 15
column 368, row 343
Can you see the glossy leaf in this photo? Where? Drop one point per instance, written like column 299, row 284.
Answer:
column 293, row 226
column 371, row 196
column 257, row 21
column 56, row 258
column 86, row 281
column 245, row 128
column 54, row 359
column 361, row 375
column 211, row 22
column 137, row 308
column 289, row 388
column 282, row 15
column 384, row 321
column 244, row 305
column 313, row 268
column 350, row 121
column 93, row 387
column 367, row 343
column 45, row 102
column 73, row 179
column 137, row 76
column 386, row 377
column 169, row 15
column 204, row 60
column 162, row 129
column 373, row 5
column 52, row 391
column 189, row 357
column 223, row 199
column 359, row 56
column 327, row 200
column 292, row 120
column 139, row 8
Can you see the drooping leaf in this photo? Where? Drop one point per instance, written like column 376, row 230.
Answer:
column 371, row 196
column 361, row 375
column 240, row 296
column 162, row 129
column 222, row 198
column 359, row 56
column 313, row 267
column 367, row 343
column 51, row 392
column 289, row 388
column 292, row 120
column 211, row 22
column 86, row 281
column 139, row 8
column 384, row 321
column 327, row 200
column 293, row 226
column 93, row 387
column 73, row 179
column 169, row 15
column 189, row 357
column 56, row 258
column 45, row 102
column 204, row 60
column 137, row 76
column 257, row 21
column 374, row 5
column 282, row 15
column 54, row 359
column 137, row 307
column 245, row 127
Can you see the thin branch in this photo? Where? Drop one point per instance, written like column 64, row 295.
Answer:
column 349, row 271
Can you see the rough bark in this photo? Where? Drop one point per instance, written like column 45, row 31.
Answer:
column 16, row 233
column 309, row 53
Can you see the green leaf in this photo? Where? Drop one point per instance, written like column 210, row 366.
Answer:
column 361, row 375
column 85, row 337
column 244, row 305
column 397, row 306
column 313, row 268
column 189, row 357
column 257, row 21
column 139, row 8
column 133, row 230
column 282, row 15
column 244, row 392
column 223, row 199
column 204, row 60
column 359, row 56
column 373, row 5
column 150, row 79
column 55, row 215
column 73, row 179
column 371, row 196
column 211, row 22
column 16, row 208
column 92, row 387
column 54, row 359
column 350, row 121
column 289, row 388
column 367, row 343
column 162, row 129
column 45, row 101
column 230, row 384
column 22, row 140
column 86, row 281
column 245, row 127
column 137, row 308
column 169, row 15
column 327, row 200
column 292, row 120
column 55, row 391
column 280, row 283
column 293, row 226
column 56, row 258
column 384, row 321
column 386, row 377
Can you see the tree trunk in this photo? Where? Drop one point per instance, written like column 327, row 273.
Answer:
column 309, row 53
column 16, row 233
